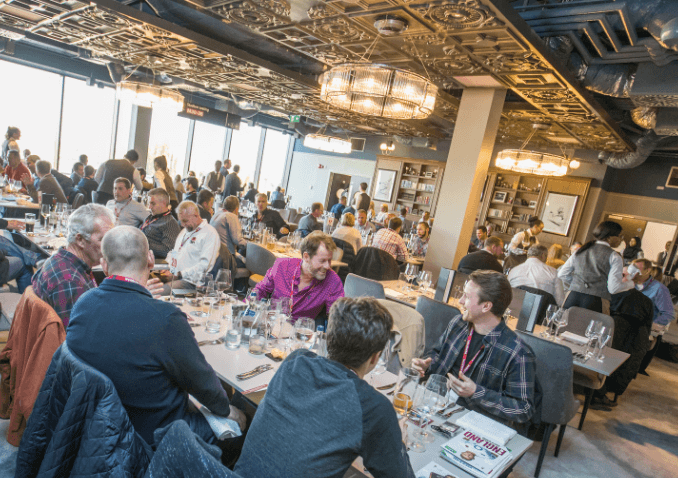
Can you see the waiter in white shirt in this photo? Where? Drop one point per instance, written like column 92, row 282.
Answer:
column 195, row 251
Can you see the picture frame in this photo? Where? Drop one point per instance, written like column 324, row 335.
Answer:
column 533, row 204
column 499, row 196
column 558, row 213
column 383, row 190
column 672, row 180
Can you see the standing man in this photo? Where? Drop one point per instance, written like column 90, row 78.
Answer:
column 127, row 211
column 486, row 363
column 269, row 217
column 518, row 242
column 362, row 224
column 83, row 159
column 214, row 181
column 389, row 240
column 160, row 227
column 114, row 169
column 362, row 199
column 484, row 259
column 309, row 223
column 225, row 168
column 233, row 186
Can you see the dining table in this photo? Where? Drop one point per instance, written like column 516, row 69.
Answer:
column 282, row 250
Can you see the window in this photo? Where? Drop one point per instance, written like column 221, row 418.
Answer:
column 244, row 150
column 169, row 136
column 273, row 160
column 208, row 147
column 124, row 125
column 87, row 124
column 31, row 101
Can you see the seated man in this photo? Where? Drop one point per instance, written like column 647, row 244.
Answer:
column 481, row 235
column 338, row 208
column 191, row 189
column 309, row 223
column 161, row 363
column 127, row 211
column 319, row 414
column 486, row 363
column 228, row 226
column 362, row 224
column 78, row 173
column 47, row 185
column 205, row 204
column 419, row 242
column 277, row 195
column 389, row 240
column 160, row 227
column 251, row 194
column 535, row 273
column 195, row 251
column 67, row 275
column 484, row 259
column 15, row 169
column 310, row 282
column 269, row 217
column 88, row 184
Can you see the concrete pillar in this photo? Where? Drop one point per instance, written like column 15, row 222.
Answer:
column 139, row 134
column 469, row 158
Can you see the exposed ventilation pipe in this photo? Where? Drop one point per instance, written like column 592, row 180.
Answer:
column 644, row 147
column 645, row 116
column 417, row 142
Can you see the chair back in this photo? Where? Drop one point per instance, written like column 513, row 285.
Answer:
column 347, row 257
column 78, row 200
column 225, row 261
column 337, row 254
column 578, row 320
column 516, row 304
column 554, row 374
column 529, row 313
column 259, row 259
column 357, row 286
column 437, row 316
column 374, row 263
column 548, row 299
column 285, row 214
column 444, row 285
column 278, row 204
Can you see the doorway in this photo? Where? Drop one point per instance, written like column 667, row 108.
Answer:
column 653, row 235
column 338, row 183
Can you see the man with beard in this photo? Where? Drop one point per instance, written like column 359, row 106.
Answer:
column 309, row 282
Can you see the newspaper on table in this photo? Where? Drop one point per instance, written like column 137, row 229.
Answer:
column 476, row 455
column 484, row 426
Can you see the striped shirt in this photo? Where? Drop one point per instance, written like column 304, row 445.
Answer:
column 390, row 241
column 504, row 372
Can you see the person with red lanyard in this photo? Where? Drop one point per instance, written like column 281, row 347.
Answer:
column 127, row 211
column 487, row 365
column 160, row 227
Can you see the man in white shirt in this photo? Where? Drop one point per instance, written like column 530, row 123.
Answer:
column 127, row 211
column 535, row 273
column 228, row 226
column 362, row 224
column 195, row 251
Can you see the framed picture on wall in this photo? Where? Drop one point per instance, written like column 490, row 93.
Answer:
column 383, row 190
column 672, row 181
column 558, row 212
column 499, row 196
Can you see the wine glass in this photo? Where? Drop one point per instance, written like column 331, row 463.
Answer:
column 200, row 289
column 411, row 272
column 303, row 331
column 560, row 320
column 424, row 281
column 382, row 363
column 551, row 312
column 223, row 282
column 428, row 400
column 210, row 300
column 45, row 210
column 603, row 338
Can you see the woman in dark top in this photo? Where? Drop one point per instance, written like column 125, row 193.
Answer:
column 633, row 251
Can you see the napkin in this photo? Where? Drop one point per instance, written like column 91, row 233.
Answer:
column 221, row 426
column 577, row 339
column 393, row 293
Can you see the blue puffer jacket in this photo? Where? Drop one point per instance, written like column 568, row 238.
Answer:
column 79, row 427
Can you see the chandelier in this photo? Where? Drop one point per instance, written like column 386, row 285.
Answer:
column 534, row 162
column 331, row 144
column 151, row 96
column 378, row 90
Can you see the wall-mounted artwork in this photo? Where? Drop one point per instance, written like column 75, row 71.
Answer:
column 558, row 213
column 384, row 187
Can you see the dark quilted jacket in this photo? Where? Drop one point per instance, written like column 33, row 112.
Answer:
column 79, row 427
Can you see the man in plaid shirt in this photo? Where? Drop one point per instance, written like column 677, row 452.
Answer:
column 486, row 363
column 389, row 240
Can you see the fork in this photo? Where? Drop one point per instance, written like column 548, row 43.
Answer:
column 211, row 342
column 253, row 373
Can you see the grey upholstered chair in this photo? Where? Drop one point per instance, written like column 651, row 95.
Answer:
column 577, row 321
column 517, row 302
column 437, row 316
column 259, row 261
column 529, row 315
column 554, row 374
column 357, row 286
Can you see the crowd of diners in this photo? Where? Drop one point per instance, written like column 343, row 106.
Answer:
column 318, row 413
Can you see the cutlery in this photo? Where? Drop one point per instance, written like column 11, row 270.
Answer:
column 453, row 411
column 211, row 342
column 253, row 373
column 194, row 324
column 255, row 389
column 386, row 387
column 442, row 411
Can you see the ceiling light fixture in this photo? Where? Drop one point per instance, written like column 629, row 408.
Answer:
column 378, row 90
column 533, row 162
column 387, row 148
column 150, row 96
column 324, row 142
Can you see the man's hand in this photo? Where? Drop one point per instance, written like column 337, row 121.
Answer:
column 155, row 287
column 462, row 386
column 26, row 179
column 284, row 230
column 421, row 365
column 655, row 327
column 239, row 418
column 165, row 276
column 16, row 225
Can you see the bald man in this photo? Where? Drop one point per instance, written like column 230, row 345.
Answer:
column 162, row 362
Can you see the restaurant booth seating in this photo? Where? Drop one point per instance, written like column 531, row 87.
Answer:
column 356, row 286
column 259, row 261
column 437, row 316
column 376, row 264
column 554, row 375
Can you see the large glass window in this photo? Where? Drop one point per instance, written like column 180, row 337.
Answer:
column 123, row 132
column 31, row 101
column 273, row 160
column 169, row 136
column 244, row 150
column 208, row 147
column 87, row 124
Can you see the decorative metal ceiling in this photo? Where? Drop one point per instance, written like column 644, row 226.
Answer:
column 454, row 42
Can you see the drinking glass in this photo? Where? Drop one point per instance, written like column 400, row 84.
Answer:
column 303, row 331
column 234, row 332
column 424, row 281
column 44, row 211
column 271, row 320
column 408, row 379
column 551, row 312
column 223, row 282
column 257, row 344
column 210, row 301
column 53, row 220
column 200, row 289
column 603, row 339
column 458, row 292
column 382, row 363
column 411, row 272
column 560, row 320
column 428, row 400
column 30, row 224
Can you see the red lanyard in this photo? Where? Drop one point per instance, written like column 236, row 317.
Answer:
column 292, row 288
column 148, row 223
column 464, row 368
column 187, row 237
column 123, row 278
column 117, row 213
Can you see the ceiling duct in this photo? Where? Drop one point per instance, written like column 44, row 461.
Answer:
column 645, row 116
column 417, row 142
column 644, row 147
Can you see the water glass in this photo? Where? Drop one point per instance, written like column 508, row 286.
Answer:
column 257, row 344
column 303, row 331
column 234, row 332
column 411, row 272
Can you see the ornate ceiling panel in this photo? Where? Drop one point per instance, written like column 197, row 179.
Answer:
column 446, row 40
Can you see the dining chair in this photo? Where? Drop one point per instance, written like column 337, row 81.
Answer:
column 554, row 375
column 374, row 263
column 357, row 286
column 549, row 299
column 578, row 320
column 437, row 316
column 78, row 201
column 445, row 284
column 529, row 315
column 517, row 302
column 259, row 261
column 347, row 257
